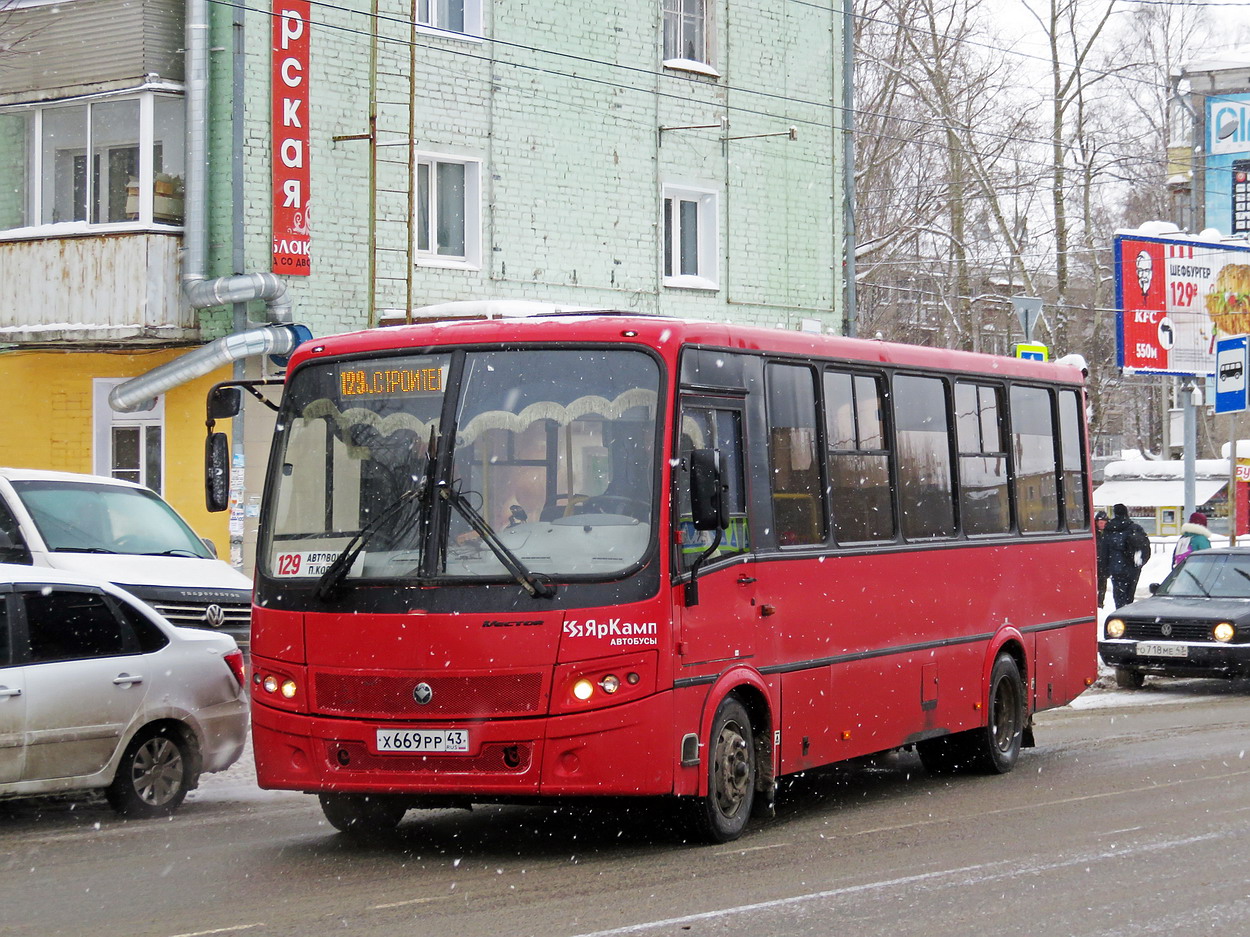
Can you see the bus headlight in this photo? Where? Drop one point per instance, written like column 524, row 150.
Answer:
column 582, row 689
column 288, row 689
column 1115, row 627
column 610, row 684
column 1224, row 632
column 270, row 684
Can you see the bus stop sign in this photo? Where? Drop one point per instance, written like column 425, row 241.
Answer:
column 1032, row 351
column 1230, row 374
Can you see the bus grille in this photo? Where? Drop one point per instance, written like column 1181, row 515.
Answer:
column 500, row 758
column 1153, row 630
column 386, row 697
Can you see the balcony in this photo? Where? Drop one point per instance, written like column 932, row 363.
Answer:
column 93, row 286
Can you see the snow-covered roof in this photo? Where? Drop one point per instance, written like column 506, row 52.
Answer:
column 1161, row 470
column 1237, row 57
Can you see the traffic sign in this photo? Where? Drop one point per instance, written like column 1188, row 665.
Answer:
column 1027, row 308
column 1032, row 351
column 1230, row 374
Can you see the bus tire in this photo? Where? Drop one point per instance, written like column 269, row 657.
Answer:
column 722, row 815
column 363, row 814
column 994, row 747
column 1127, row 679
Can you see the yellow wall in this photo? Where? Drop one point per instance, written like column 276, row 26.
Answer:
column 46, row 421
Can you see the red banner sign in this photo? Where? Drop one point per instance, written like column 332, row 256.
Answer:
column 292, row 231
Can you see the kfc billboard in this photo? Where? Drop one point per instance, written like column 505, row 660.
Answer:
column 1176, row 296
column 289, row 91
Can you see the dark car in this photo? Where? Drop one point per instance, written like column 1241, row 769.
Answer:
column 1196, row 623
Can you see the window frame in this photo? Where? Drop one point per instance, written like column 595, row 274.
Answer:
column 706, row 63
column 38, row 177
column 106, row 421
column 471, row 259
column 471, row 14
column 707, row 236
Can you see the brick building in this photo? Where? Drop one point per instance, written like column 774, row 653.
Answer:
column 679, row 157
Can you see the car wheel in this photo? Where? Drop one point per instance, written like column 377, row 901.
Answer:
column 1127, row 679
column 722, row 815
column 154, row 774
column 363, row 814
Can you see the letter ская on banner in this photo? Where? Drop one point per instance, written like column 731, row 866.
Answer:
column 289, row 83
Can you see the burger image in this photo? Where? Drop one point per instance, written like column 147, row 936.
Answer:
column 1228, row 303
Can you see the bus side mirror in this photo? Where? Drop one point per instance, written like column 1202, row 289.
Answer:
column 224, row 403
column 217, row 472
column 707, row 494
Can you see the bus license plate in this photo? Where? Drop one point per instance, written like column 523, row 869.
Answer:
column 423, row 740
column 1162, row 650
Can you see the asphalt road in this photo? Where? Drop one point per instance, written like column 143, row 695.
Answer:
column 1131, row 817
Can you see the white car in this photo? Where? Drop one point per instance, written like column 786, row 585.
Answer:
column 116, row 530
column 98, row 691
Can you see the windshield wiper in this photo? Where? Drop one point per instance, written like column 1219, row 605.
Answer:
column 84, row 550
column 328, row 586
column 536, row 587
column 1197, row 582
column 330, row 582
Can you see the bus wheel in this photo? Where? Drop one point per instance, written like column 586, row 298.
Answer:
column 363, row 814
column 992, row 748
column 996, row 747
column 1127, row 679
column 722, row 815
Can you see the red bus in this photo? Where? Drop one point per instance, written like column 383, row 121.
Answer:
column 559, row 557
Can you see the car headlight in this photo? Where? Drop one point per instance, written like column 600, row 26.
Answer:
column 1115, row 627
column 1224, row 631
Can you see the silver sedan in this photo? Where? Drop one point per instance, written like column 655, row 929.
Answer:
column 98, row 691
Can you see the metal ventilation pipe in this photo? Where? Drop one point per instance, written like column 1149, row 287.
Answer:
column 280, row 336
column 139, row 393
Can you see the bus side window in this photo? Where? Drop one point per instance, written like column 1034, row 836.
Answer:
column 1076, row 506
column 925, row 476
column 720, row 429
column 984, row 507
column 1033, row 439
column 859, row 463
column 795, row 468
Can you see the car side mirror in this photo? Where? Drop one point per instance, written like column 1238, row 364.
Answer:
column 1154, row 587
column 217, row 472
column 707, row 494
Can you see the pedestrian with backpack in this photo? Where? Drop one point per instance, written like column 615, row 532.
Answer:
column 1194, row 536
column 1126, row 548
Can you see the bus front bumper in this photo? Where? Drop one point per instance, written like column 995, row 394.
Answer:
column 622, row 750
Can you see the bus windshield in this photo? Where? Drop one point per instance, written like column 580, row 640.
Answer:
column 550, row 453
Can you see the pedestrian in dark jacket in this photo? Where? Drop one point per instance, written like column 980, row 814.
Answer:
column 1100, row 525
column 1126, row 548
column 1194, row 536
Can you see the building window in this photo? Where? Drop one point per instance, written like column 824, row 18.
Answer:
column 129, row 446
column 690, row 238
column 108, row 161
column 687, row 34
column 453, row 16
column 448, row 211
